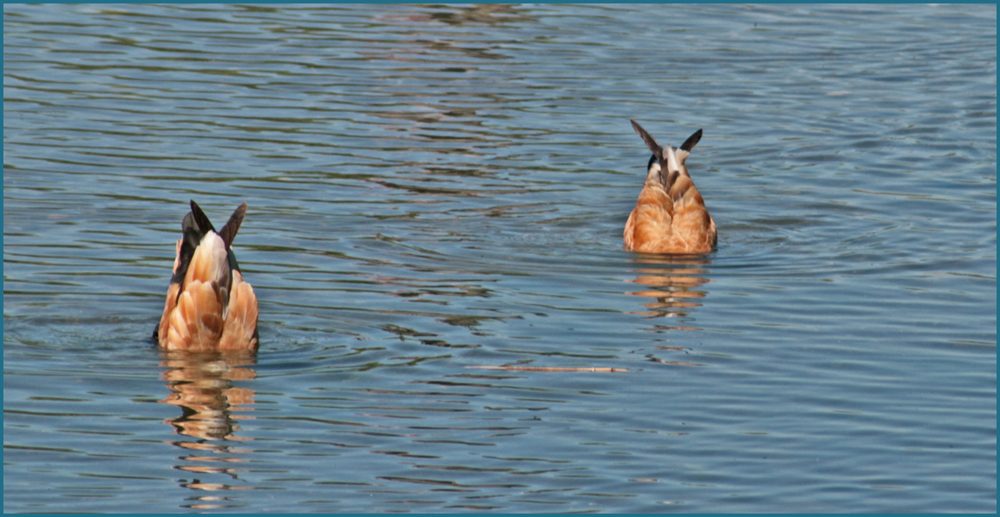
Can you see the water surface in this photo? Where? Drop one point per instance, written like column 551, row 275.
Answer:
column 448, row 321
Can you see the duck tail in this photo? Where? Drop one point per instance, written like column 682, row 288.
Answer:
column 685, row 150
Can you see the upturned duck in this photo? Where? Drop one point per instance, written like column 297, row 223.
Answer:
column 670, row 214
column 209, row 307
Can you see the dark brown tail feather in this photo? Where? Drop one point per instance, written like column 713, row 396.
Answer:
column 691, row 141
column 228, row 232
column 650, row 142
column 201, row 219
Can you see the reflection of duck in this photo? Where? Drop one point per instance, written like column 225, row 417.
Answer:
column 672, row 281
column 489, row 14
column 209, row 306
column 670, row 214
column 201, row 385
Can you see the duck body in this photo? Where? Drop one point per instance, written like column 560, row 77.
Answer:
column 209, row 306
column 670, row 215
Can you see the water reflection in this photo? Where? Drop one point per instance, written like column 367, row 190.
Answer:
column 488, row 14
column 672, row 283
column 201, row 384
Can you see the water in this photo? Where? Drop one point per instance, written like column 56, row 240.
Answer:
column 438, row 191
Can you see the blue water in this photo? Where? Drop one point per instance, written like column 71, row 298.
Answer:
column 438, row 193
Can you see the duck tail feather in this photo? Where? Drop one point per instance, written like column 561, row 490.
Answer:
column 200, row 219
column 648, row 139
column 691, row 141
column 228, row 232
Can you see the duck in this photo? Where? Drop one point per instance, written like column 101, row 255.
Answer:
column 209, row 307
column 670, row 216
